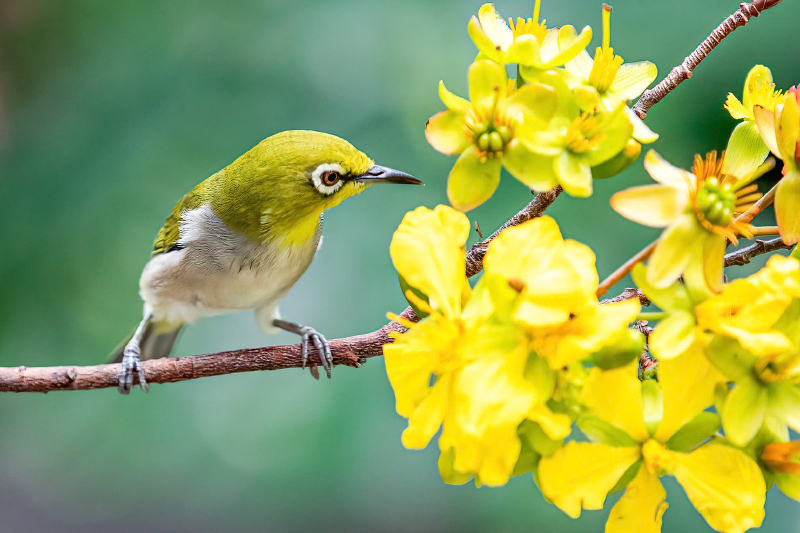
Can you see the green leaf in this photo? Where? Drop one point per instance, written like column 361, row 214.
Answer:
column 694, row 432
column 598, row 430
column 627, row 477
column 405, row 287
column 532, row 435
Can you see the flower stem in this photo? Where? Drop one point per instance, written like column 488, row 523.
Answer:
column 625, row 269
column 765, row 230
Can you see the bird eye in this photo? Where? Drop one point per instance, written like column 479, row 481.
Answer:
column 330, row 178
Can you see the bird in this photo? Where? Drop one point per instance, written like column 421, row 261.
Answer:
column 242, row 238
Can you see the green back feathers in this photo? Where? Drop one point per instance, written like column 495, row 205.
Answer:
column 268, row 193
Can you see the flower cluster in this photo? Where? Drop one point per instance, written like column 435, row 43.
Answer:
column 485, row 363
column 563, row 121
column 509, row 368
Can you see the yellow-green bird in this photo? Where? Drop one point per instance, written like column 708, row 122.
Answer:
column 243, row 237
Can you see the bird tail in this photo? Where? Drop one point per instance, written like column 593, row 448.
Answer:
column 157, row 341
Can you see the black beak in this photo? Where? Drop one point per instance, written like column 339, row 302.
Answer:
column 379, row 174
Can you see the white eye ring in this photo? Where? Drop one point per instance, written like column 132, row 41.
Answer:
column 316, row 178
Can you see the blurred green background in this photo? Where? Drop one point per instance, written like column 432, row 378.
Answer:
column 110, row 111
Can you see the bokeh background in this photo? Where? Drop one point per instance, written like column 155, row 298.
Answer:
column 110, row 111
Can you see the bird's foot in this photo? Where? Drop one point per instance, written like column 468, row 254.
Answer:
column 307, row 334
column 131, row 363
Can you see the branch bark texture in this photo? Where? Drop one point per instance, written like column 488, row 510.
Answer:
column 684, row 71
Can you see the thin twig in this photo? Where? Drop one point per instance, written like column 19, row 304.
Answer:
column 350, row 351
column 625, row 269
column 763, row 202
column 743, row 256
column 684, row 71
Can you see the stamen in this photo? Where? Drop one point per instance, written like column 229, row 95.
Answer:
column 753, row 187
column 536, row 11
column 749, row 199
column 606, row 25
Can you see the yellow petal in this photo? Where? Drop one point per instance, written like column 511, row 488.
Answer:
column 765, row 121
column 556, row 52
column 487, row 81
column 485, row 45
column 590, row 330
column 472, row 181
column 737, row 109
column 641, row 132
column 533, row 170
column 495, row 27
column 673, row 336
column 424, row 422
column 582, row 474
column 677, row 247
column 445, row 131
column 758, row 76
column 641, row 507
column 788, row 130
column 687, row 383
column 524, row 50
column 744, row 411
column 452, row 101
column 632, row 79
column 714, row 260
column 656, row 206
column 787, row 207
column 413, row 357
column 556, row 425
column 574, row 174
column 616, row 397
column 724, row 485
column 667, row 174
column 535, row 101
column 581, row 65
column 428, row 251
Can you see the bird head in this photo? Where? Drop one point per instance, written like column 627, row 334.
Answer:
column 295, row 175
column 320, row 170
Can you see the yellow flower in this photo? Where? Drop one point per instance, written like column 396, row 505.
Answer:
column 487, row 133
column 780, row 129
column 758, row 91
column 754, row 324
column 464, row 368
column 557, row 281
column 529, row 42
column 601, row 83
column 697, row 209
column 633, row 447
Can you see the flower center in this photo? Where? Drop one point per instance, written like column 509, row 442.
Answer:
column 716, row 202
column 604, row 70
column 582, row 134
column 657, row 458
column 490, row 131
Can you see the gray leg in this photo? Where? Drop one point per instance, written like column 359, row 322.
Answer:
column 131, row 363
column 308, row 333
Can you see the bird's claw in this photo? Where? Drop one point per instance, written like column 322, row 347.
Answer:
column 131, row 363
column 320, row 343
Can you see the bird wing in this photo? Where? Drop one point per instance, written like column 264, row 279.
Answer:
column 168, row 236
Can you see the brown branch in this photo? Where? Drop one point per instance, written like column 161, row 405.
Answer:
column 534, row 209
column 350, row 351
column 628, row 294
column 684, row 71
column 743, row 256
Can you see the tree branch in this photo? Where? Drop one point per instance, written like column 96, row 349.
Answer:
column 684, row 71
column 350, row 351
column 743, row 256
